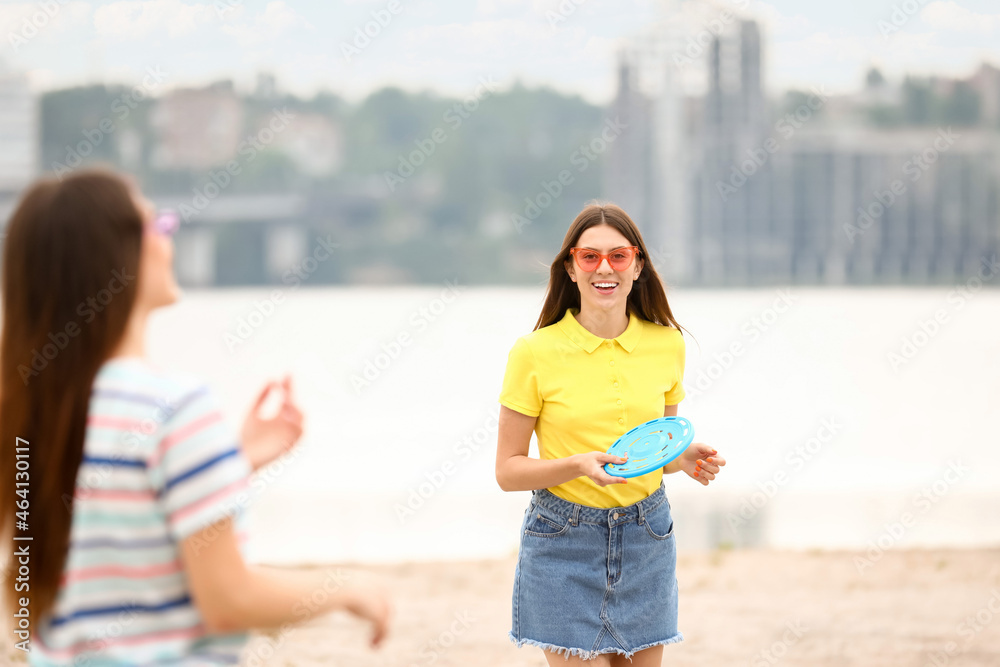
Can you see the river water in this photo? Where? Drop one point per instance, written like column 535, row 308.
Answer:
column 850, row 418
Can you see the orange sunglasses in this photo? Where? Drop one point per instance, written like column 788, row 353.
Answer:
column 589, row 259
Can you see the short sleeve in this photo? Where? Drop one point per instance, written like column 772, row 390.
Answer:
column 198, row 470
column 520, row 381
column 676, row 393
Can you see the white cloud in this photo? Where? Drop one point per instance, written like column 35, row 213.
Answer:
column 133, row 20
column 491, row 7
column 493, row 41
column 276, row 20
column 28, row 19
column 552, row 10
column 821, row 58
column 950, row 16
column 779, row 24
column 129, row 20
column 840, row 60
column 910, row 47
column 822, row 47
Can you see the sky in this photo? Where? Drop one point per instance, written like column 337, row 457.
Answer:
column 450, row 46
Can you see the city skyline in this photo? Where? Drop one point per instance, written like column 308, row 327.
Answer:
column 741, row 199
column 568, row 45
column 716, row 171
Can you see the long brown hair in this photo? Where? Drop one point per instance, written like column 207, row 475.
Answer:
column 647, row 300
column 66, row 242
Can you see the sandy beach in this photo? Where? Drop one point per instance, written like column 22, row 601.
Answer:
column 907, row 608
column 904, row 608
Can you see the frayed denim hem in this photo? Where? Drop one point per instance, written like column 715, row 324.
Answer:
column 590, row 655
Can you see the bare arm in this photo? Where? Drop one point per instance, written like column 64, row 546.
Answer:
column 673, row 466
column 516, row 471
column 232, row 595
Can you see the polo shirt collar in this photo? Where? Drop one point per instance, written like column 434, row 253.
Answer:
column 589, row 342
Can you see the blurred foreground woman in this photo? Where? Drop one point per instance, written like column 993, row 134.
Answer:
column 123, row 481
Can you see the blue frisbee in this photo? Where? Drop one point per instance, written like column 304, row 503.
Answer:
column 650, row 446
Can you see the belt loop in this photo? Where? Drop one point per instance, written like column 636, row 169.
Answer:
column 642, row 512
column 575, row 519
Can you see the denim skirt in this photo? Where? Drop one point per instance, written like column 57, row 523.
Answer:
column 595, row 580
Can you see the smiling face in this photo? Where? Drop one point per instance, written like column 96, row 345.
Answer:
column 604, row 288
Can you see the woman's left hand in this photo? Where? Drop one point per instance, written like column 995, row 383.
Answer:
column 264, row 440
column 701, row 462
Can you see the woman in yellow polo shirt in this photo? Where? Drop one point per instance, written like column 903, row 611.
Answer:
column 595, row 576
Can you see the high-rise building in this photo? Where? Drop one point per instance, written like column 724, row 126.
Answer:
column 647, row 167
column 741, row 194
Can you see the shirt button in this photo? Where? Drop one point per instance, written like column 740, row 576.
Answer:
column 611, row 343
column 612, row 362
column 621, row 421
column 616, row 384
column 619, row 401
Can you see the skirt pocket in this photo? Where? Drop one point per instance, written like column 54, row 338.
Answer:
column 543, row 522
column 660, row 523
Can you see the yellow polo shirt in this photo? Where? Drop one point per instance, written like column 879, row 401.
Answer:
column 587, row 391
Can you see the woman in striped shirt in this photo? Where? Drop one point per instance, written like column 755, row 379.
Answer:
column 124, row 487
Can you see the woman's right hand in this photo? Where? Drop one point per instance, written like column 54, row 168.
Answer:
column 371, row 606
column 591, row 464
column 264, row 440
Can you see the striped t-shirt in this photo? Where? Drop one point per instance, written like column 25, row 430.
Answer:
column 159, row 464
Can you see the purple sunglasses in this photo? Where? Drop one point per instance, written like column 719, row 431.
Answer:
column 167, row 221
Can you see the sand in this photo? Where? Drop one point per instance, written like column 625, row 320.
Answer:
column 737, row 608
column 824, row 609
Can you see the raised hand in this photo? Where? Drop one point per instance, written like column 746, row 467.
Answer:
column 264, row 440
